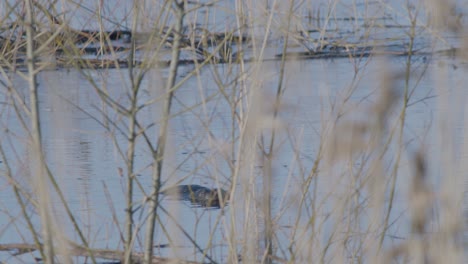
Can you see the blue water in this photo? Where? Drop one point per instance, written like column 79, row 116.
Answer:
column 203, row 142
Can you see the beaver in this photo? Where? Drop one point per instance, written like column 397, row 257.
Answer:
column 198, row 195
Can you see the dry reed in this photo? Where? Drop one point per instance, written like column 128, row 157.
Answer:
column 338, row 205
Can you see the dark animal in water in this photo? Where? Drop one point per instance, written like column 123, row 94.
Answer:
column 198, row 195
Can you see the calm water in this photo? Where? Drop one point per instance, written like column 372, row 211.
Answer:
column 85, row 158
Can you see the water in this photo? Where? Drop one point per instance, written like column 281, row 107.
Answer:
column 86, row 156
column 85, row 159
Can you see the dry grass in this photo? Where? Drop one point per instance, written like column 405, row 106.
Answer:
column 370, row 192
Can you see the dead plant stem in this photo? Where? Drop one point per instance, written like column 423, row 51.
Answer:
column 130, row 159
column 16, row 190
column 158, row 156
column 40, row 177
column 412, row 35
column 267, row 183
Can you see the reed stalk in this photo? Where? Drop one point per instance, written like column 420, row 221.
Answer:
column 405, row 99
column 132, row 136
column 268, row 166
column 158, row 156
column 37, row 155
column 44, row 175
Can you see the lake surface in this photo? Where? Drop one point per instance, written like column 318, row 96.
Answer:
column 321, row 100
